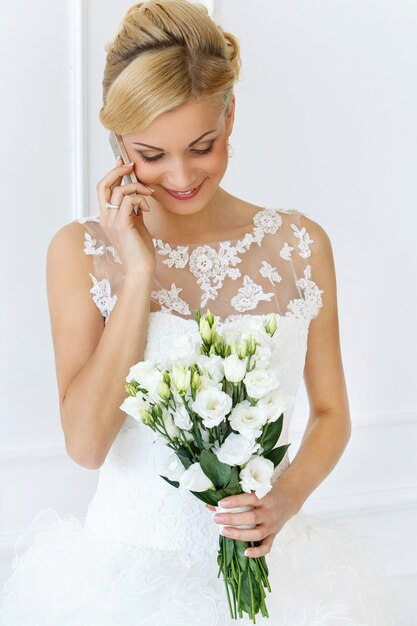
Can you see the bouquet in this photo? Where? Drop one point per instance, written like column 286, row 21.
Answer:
column 218, row 407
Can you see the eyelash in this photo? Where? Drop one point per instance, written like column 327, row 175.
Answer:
column 156, row 158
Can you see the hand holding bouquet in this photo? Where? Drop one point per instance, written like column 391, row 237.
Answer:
column 218, row 407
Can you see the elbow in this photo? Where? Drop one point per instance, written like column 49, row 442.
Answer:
column 88, row 462
column 85, row 458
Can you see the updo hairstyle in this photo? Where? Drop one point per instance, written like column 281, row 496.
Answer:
column 164, row 54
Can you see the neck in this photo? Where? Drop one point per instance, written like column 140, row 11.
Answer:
column 182, row 227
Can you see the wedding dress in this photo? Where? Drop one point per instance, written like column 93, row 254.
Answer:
column 145, row 554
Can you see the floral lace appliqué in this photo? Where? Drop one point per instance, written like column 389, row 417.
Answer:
column 270, row 272
column 102, row 296
column 308, row 306
column 170, row 300
column 90, row 248
column 249, row 295
column 305, row 240
column 285, row 252
column 211, row 266
column 176, row 256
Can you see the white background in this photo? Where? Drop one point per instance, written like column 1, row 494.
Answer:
column 325, row 122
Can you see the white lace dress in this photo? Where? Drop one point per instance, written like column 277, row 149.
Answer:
column 145, row 554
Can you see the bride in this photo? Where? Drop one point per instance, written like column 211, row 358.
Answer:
column 123, row 285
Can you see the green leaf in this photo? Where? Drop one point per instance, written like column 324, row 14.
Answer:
column 174, row 483
column 240, row 547
column 229, row 549
column 246, row 594
column 272, row 434
column 184, row 456
column 219, row 473
column 209, row 497
column 277, row 454
column 234, row 479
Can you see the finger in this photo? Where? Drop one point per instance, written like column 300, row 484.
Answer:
column 128, row 205
column 262, row 550
column 247, row 534
column 107, row 186
column 211, row 507
column 240, row 499
column 238, row 519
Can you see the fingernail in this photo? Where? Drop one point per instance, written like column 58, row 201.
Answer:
column 150, row 188
column 246, row 553
column 127, row 164
column 224, row 503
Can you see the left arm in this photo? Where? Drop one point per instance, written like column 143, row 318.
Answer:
column 328, row 428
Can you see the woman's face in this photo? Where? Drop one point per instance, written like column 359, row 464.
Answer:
column 182, row 150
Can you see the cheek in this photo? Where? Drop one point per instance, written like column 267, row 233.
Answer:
column 216, row 162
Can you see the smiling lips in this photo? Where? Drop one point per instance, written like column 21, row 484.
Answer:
column 184, row 195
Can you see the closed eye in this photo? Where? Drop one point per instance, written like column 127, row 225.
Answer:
column 159, row 156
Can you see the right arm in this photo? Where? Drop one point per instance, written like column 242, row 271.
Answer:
column 92, row 359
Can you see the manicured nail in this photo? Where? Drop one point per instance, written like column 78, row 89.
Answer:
column 224, row 503
column 127, row 164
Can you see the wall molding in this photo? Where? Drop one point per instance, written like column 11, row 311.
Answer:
column 40, row 452
column 78, row 67
column 367, row 421
column 355, row 503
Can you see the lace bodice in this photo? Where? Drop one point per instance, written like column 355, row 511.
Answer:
column 266, row 270
column 270, row 269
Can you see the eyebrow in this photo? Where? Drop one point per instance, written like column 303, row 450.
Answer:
column 136, row 143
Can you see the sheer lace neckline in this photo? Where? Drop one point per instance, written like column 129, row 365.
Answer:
column 251, row 229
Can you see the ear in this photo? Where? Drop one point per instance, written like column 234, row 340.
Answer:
column 230, row 117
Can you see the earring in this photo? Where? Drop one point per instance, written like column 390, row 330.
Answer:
column 230, row 149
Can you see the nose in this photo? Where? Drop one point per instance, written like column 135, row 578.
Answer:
column 182, row 176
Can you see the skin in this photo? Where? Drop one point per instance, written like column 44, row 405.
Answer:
column 207, row 217
column 213, row 211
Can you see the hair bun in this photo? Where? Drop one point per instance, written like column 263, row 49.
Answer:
column 164, row 53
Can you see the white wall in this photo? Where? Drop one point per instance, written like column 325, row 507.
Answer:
column 325, row 122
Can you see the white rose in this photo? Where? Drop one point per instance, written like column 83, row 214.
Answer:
column 234, row 368
column 213, row 365
column 236, row 449
column 208, row 383
column 194, row 479
column 231, row 334
column 247, row 419
column 256, row 476
column 259, row 382
column 182, row 418
column 262, row 356
column 148, row 376
column 275, row 403
column 255, row 327
column 173, row 468
column 212, row 405
column 184, row 350
column 134, row 405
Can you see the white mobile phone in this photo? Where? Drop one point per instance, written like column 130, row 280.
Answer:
column 119, row 149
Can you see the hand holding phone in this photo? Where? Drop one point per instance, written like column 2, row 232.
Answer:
column 119, row 149
column 129, row 236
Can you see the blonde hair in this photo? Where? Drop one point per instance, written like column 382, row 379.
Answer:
column 164, row 54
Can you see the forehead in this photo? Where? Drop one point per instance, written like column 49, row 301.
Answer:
column 185, row 123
